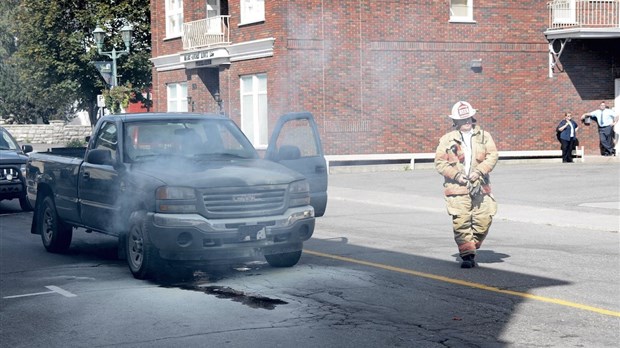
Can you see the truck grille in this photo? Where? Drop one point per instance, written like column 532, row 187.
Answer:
column 244, row 201
column 9, row 172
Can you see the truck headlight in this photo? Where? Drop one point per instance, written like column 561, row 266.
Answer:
column 299, row 193
column 175, row 199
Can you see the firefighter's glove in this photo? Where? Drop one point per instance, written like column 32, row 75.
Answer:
column 474, row 176
column 461, row 179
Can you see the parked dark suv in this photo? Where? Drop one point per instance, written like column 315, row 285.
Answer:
column 13, row 169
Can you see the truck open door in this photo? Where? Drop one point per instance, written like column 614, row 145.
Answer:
column 296, row 144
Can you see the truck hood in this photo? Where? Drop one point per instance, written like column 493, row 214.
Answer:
column 224, row 173
column 12, row 157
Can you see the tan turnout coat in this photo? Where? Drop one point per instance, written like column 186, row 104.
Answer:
column 450, row 159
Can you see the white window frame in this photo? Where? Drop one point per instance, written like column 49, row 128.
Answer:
column 252, row 11
column 254, row 119
column 176, row 95
column 174, row 18
column 468, row 18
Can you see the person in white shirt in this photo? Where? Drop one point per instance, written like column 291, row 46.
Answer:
column 606, row 119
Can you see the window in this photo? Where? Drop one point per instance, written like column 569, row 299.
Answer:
column 177, row 97
column 174, row 18
column 107, row 139
column 252, row 11
column 461, row 11
column 254, row 121
column 198, row 138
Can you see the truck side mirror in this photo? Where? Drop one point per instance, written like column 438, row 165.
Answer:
column 27, row 148
column 100, row 156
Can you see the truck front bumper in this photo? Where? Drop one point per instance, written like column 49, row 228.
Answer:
column 12, row 190
column 192, row 237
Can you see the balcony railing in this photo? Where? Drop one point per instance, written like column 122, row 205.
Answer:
column 565, row 14
column 206, row 32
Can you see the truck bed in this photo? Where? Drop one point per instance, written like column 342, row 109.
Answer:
column 67, row 151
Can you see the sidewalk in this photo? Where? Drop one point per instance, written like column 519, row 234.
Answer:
column 583, row 196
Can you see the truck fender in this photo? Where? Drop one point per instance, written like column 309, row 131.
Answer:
column 43, row 191
column 34, row 224
column 122, row 246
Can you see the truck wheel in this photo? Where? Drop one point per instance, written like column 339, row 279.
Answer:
column 24, row 203
column 284, row 259
column 142, row 257
column 55, row 234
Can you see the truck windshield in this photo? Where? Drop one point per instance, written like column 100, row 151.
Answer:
column 200, row 139
column 6, row 141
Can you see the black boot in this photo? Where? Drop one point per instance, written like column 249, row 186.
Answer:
column 468, row 261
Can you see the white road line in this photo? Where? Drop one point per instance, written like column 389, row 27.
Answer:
column 63, row 292
column 54, row 289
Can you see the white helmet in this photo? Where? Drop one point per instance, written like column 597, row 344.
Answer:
column 462, row 110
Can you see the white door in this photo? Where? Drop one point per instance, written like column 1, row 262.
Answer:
column 213, row 17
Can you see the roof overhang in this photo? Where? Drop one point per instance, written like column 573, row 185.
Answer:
column 583, row 33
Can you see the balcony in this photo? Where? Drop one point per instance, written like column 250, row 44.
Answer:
column 208, row 32
column 583, row 19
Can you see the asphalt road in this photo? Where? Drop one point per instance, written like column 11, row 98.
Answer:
column 380, row 271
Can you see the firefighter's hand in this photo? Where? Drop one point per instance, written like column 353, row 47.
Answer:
column 461, row 178
column 474, row 176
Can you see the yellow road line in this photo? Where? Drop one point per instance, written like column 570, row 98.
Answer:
column 466, row 283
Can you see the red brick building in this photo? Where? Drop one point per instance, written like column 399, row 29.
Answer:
column 382, row 76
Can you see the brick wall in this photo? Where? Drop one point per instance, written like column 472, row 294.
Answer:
column 382, row 76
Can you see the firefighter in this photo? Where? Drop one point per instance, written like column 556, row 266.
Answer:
column 465, row 157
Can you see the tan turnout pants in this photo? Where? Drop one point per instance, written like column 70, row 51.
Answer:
column 471, row 220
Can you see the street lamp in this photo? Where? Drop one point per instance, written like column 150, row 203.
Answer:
column 99, row 35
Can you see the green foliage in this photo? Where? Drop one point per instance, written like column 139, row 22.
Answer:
column 117, row 97
column 7, row 41
column 75, row 143
column 49, row 73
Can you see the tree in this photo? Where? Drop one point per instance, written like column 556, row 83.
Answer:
column 55, row 51
column 7, row 40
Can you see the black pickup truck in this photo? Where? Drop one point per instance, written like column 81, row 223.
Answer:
column 184, row 188
column 13, row 169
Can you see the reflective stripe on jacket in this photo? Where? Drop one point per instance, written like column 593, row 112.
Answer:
column 450, row 159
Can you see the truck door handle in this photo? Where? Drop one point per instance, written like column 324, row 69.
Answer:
column 320, row 169
column 86, row 175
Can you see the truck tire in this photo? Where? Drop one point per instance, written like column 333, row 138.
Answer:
column 284, row 259
column 142, row 257
column 55, row 234
column 24, row 203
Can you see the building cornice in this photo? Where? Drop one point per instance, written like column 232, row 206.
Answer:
column 215, row 56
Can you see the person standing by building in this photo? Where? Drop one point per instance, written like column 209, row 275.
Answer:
column 568, row 137
column 465, row 157
column 606, row 119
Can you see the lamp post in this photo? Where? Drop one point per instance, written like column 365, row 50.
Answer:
column 99, row 35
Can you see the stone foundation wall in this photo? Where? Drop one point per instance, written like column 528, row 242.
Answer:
column 57, row 132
